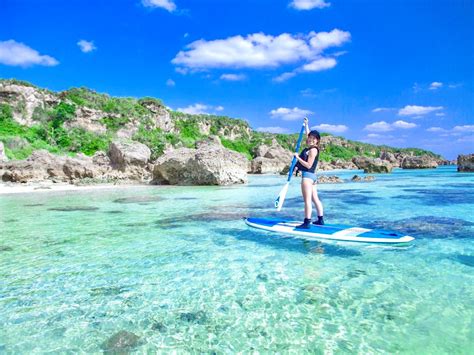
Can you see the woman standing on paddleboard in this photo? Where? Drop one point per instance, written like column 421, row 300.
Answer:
column 307, row 164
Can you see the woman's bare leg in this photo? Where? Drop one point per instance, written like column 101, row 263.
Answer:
column 306, row 190
column 317, row 201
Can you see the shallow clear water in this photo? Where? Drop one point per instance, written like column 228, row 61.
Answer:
column 178, row 268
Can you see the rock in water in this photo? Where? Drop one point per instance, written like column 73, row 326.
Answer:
column 121, row 342
column 465, row 163
column 209, row 164
column 373, row 165
column 357, row 178
column 329, row 179
column 419, row 162
column 390, row 157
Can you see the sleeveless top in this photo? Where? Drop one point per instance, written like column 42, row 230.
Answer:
column 304, row 155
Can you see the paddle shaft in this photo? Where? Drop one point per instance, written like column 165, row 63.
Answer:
column 297, row 149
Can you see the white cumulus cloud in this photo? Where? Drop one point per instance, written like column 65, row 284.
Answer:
column 414, row 110
column 284, row 77
column 18, row 54
column 86, row 46
column 324, row 127
column 464, row 129
column 322, row 40
column 383, row 126
column 435, row 85
column 403, row 124
column 233, row 77
column 309, row 4
column 272, row 129
column 320, row 64
column 165, row 4
column 382, row 109
column 290, row 114
column 170, row 82
column 380, row 126
column 260, row 51
column 200, row 109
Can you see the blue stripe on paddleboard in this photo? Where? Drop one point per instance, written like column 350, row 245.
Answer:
column 381, row 234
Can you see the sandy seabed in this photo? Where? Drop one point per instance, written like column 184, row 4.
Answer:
column 45, row 186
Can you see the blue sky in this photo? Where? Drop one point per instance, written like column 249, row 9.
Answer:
column 383, row 72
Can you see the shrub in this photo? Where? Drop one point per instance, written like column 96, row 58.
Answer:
column 150, row 100
column 115, row 123
column 61, row 113
column 153, row 139
column 240, row 146
column 6, row 113
column 188, row 129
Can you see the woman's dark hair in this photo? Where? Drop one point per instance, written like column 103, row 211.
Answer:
column 315, row 134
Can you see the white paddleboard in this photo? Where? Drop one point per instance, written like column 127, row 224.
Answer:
column 329, row 232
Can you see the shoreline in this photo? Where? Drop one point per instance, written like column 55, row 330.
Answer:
column 9, row 188
column 45, row 186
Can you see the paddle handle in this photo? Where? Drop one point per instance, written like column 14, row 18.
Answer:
column 297, row 149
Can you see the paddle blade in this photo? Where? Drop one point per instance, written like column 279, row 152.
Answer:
column 281, row 197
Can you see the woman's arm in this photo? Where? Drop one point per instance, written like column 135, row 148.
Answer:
column 306, row 125
column 311, row 156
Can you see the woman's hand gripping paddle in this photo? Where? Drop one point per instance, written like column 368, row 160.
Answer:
column 281, row 197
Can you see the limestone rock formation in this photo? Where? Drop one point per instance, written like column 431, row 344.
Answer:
column 466, row 163
column 123, row 154
column 3, row 156
column 270, row 159
column 42, row 165
column 357, row 178
column 209, row 164
column 419, row 162
column 370, row 165
column 25, row 100
column 329, row 179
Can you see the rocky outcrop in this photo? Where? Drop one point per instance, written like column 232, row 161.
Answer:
column 124, row 154
column 130, row 158
column 89, row 119
column 262, row 165
column 447, row 162
column 329, row 179
column 341, row 164
column 3, row 156
column 209, row 164
column 42, row 165
column 235, row 132
column 357, row 178
column 270, row 159
column 391, row 158
column 24, row 100
column 419, row 162
column 160, row 116
column 371, row 166
column 466, row 163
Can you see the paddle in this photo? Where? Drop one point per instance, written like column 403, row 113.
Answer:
column 281, row 197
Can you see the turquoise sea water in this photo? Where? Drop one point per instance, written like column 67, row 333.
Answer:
column 178, row 268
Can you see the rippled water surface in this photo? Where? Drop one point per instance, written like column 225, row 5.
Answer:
column 175, row 268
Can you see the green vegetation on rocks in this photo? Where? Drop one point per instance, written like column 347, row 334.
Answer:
column 49, row 131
